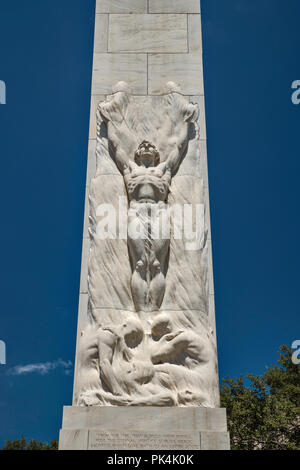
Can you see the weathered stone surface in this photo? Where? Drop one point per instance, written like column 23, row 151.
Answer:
column 86, row 215
column 109, row 267
column 164, row 419
column 93, row 439
column 211, row 313
column 101, row 32
column 153, row 428
column 174, row 6
column 84, row 265
column 121, row 6
column 210, row 269
column 109, row 68
column 91, row 163
column 95, row 100
column 215, row 440
column 82, row 313
column 201, row 117
column 194, row 33
column 187, row 276
column 148, row 33
column 82, row 323
column 186, row 70
column 207, row 213
column 76, row 439
column 203, row 163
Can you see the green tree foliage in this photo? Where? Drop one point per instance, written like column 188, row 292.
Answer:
column 266, row 414
column 23, row 444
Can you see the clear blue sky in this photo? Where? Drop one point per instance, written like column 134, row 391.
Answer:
column 251, row 58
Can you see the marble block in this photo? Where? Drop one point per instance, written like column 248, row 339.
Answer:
column 174, row 6
column 184, row 69
column 101, row 31
column 194, row 33
column 110, row 68
column 121, row 6
column 91, row 163
column 95, row 100
column 141, row 428
column 147, row 33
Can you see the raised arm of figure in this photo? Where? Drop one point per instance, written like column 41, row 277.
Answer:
column 112, row 112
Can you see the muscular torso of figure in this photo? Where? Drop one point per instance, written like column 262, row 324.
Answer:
column 147, row 184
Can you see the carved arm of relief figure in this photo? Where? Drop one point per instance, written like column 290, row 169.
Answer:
column 168, row 130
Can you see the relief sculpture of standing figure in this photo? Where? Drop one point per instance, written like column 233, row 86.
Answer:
column 147, row 182
column 147, row 175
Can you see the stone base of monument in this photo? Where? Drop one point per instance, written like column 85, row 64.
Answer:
column 143, row 428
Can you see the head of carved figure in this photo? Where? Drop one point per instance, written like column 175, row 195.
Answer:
column 133, row 332
column 162, row 326
column 121, row 87
column 147, row 154
column 172, row 87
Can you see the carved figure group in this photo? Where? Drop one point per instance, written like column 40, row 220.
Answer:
column 125, row 366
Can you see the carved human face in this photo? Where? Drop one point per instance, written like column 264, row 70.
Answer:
column 161, row 327
column 133, row 333
column 147, row 154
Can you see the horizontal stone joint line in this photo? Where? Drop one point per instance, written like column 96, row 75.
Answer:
column 143, row 52
column 163, row 309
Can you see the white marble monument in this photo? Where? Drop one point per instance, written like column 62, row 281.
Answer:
column 146, row 373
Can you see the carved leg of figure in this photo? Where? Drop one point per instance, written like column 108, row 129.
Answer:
column 108, row 379
column 148, row 243
column 139, row 286
column 138, row 246
column 160, row 234
column 157, row 286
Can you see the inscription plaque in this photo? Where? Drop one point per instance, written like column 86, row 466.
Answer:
column 111, row 440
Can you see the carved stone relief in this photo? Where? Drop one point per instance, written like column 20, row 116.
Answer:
column 148, row 341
